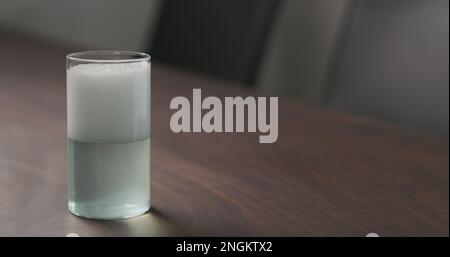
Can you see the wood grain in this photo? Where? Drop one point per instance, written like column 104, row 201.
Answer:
column 329, row 174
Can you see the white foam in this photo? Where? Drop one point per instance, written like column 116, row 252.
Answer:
column 108, row 102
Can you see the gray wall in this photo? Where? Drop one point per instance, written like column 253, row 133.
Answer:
column 105, row 24
column 395, row 64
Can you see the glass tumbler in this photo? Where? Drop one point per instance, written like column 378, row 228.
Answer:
column 108, row 130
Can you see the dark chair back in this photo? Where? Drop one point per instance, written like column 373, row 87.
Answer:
column 221, row 38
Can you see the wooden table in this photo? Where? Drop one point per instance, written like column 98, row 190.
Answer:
column 329, row 174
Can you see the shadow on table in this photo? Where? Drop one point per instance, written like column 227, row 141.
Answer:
column 152, row 223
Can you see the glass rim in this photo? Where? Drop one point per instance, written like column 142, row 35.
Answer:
column 123, row 56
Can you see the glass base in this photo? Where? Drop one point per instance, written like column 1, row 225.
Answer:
column 94, row 211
